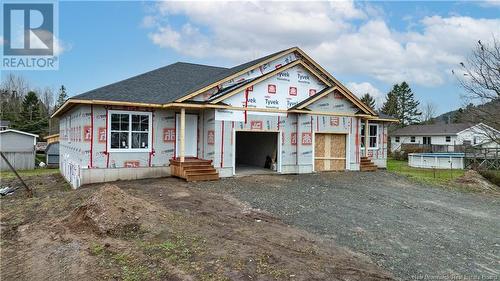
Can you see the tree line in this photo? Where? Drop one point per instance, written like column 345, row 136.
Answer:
column 28, row 109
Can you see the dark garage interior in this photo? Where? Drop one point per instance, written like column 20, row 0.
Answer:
column 254, row 150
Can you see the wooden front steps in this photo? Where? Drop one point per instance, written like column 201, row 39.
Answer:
column 367, row 165
column 193, row 169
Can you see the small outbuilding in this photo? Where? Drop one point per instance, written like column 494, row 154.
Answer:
column 52, row 155
column 19, row 149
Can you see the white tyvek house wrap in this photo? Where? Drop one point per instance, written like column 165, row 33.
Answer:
column 71, row 146
column 281, row 91
column 333, row 103
column 379, row 155
column 266, row 68
column 162, row 147
column 75, row 142
column 297, row 144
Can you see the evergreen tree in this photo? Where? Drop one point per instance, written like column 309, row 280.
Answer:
column 408, row 106
column 63, row 96
column 400, row 103
column 390, row 106
column 32, row 118
column 368, row 100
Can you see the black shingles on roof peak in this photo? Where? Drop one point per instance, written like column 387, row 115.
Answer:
column 167, row 84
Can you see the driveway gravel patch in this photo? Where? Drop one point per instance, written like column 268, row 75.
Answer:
column 418, row 232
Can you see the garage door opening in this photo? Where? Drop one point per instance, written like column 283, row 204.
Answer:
column 256, row 153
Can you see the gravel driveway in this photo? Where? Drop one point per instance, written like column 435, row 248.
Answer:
column 415, row 231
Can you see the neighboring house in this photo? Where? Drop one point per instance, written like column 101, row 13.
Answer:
column 4, row 125
column 282, row 111
column 19, row 149
column 446, row 135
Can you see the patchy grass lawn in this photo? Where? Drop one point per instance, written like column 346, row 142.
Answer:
column 433, row 176
column 28, row 173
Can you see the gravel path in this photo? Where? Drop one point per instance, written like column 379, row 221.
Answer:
column 416, row 232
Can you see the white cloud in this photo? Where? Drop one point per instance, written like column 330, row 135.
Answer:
column 188, row 40
column 340, row 35
column 148, row 21
column 61, row 47
column 359, row 89
column 490, row 3
column 259, row 27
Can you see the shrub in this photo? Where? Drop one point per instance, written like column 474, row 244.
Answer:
column 399, row 155
column 491, row 175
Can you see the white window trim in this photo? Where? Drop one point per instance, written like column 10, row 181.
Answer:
column 376, row 135
column 446, row 139
column 150, row 126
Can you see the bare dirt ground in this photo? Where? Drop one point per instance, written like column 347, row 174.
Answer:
column 159, row 230
column 414, row 230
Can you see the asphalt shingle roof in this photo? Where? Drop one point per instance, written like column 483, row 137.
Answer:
column 159, row 86
column 432, row 130
column 166, row 84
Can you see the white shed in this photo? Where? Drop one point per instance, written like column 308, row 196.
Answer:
column 19, row 148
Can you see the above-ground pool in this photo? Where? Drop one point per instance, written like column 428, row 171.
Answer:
column 436, row 160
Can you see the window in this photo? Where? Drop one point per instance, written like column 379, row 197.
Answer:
column 412, row 139
column 426, row 140
column 474, row 139
column 373, row 136
column 448, row 138
column 129, row 131
column 396, row 139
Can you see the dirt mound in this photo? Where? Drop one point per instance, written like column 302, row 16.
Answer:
column 112, row 211
column 474, row 180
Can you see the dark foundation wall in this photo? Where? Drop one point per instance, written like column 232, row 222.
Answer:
column 253, row 147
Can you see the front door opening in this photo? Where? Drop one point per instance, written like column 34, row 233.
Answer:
column 190, row 135
column 256, row 153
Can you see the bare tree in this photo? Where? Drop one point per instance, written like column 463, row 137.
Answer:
column 428, row 112
column 481, row 82
column 47, row 98
column 12, row 91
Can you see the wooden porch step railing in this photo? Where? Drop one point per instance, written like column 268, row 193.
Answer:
column 367, row 165
column 193, row 169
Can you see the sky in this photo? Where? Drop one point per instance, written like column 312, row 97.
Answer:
column 368, row 46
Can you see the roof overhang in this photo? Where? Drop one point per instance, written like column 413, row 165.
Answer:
column 51, row 136
column 19, row 132
column 68, row 104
